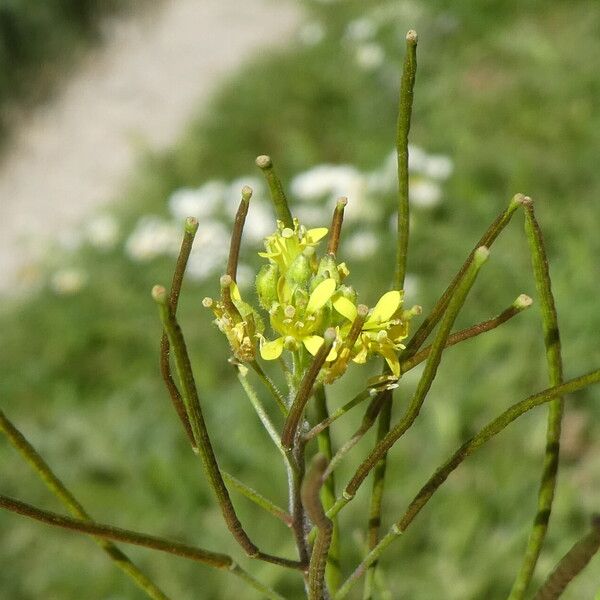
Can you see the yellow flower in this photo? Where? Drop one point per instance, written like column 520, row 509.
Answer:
column 298, row 318
column 382, row 331
column 286, row 244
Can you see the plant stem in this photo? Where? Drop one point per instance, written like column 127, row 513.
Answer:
column 519, row 305
column 279, row 399
column 310, row 498
column 257, row 498
column 374, row 524
column 201, row 436
column 212, row 559
column 336, row 226
column 441, row 474
column 333, row 573
column 555, row 410
column 403, row 127
column 488, row 238
column 305, row 391
column 336, row 414
column 429, row 373
column 236, row 234
column 571, row 564
column 57, row 487
column 191, row 227
column 282, row 210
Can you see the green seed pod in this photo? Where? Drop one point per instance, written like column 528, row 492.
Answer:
column 299, row 271
column 328, row 268
column 266, row 285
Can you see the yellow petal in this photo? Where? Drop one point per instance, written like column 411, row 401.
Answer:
column 384, row 309
column 314, row 235
column 345, row 307
column 332, row 355
column 272, row 350
column 320, row 295
column 391, row 358
column 312, row 343
column 235, row 292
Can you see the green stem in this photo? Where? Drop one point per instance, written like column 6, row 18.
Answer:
column 310, row 498
column 336, row 414
column 201, row 436
column 212, row 559
column 403, row 127
column 260, row 411
column 57, row 487
column 333, row 573
column 519, row 305
column 268, row 383
column 282, row 210
column 374, row 524
column 305, row 391
column 571, row 564
column 442, row 473
column 555, row 411
column 429, row 373
column 191, row 227
column 488, row 238
column 257, row 498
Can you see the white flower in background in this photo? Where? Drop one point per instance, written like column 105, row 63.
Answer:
column 260, row 221
column 70, row 240
column 417, row 159
column 153, row 237
column 369, row 56
column 313, row 215
column 325, row 181
column 211, row 233
column 361, row 30
column 411, row 287
column 438, row 166
column 360, row 245
column 245, row 276
column 424, row 193
column 312, row 33
column 68, row 281
column 102, row 232
column 210, row 250
column 200, row 202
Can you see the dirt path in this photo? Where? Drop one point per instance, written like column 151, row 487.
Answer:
column 146, row 82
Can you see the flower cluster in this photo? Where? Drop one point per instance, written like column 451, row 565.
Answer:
column 304, row 295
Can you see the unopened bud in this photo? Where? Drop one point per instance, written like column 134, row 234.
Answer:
column 299, row 271
column 266, row 285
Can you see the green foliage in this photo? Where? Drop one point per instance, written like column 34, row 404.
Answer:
column 510, row 97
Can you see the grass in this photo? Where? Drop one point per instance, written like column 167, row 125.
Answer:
column 508, row 93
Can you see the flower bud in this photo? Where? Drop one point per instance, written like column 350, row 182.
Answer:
column 348, row 292
column 299, row 271
column 328, row 268
column 266, row 285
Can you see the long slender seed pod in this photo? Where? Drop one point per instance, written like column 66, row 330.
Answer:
column 310, row 498
column 282, row 210
column 305, row 391
column 58, row 488
column 108, row 532
column 333, row 572
column 201, row 436
column 519, row 305
column 429, row 373
column 555, row 410
column 571, row 564
column 374, row 524
column 442, row 473
column 407, row 84
column 487, row 239
column 336, row 226
column 236, row 234
column 191, row 227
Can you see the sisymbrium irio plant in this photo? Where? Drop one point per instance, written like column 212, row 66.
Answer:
column 306, row 319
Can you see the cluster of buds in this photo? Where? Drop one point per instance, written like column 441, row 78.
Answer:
column 306, row 294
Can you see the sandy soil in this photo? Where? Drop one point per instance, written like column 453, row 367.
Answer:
column 74, row 153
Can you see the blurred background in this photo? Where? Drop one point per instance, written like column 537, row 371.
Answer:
column 119, row 118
